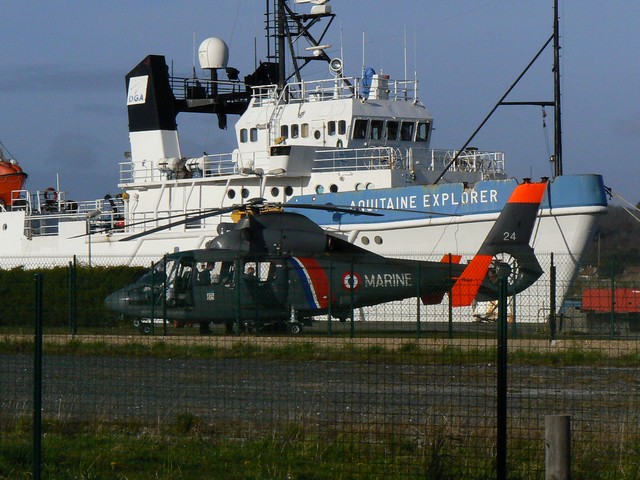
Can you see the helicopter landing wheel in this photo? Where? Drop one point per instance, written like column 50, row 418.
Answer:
column 295, row 328
column 146, row 328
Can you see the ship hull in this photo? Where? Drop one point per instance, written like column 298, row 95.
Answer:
column 420, row 222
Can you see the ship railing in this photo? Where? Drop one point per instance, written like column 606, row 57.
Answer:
column 199, row 167
column 470, row 160
column 335, row 89
column 370, row 158
column 199, row 89
column 99, row 215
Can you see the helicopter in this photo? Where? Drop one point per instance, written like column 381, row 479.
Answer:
column 276, row 269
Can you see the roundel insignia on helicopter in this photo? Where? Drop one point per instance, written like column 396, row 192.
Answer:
column 351, row 281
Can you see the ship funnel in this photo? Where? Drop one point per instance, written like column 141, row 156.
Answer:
column 213, row 53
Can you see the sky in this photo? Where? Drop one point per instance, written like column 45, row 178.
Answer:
column 62, row 87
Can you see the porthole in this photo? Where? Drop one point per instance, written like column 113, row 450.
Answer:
column 359, row 186
column 275, row 191
column 365, row 240
column 245, row 193
column 377, row 239
column 316, row 134
column 319, row 189
column 4, row 226
column 231, row 194
column 333, row 188
column 370, row 186
column 288, row 190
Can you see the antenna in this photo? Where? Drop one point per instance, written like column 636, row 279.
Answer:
column 193, row 64
column 405, row 52
column 363, row 54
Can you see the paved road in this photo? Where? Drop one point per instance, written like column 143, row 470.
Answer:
column 263, row 392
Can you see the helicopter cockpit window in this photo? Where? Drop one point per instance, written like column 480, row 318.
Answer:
column 260, row 271
column 208, row 273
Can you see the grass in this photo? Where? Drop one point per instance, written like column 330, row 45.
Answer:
column 189, row 448
column 402, row 352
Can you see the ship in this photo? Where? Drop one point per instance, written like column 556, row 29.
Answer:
column 357, row 141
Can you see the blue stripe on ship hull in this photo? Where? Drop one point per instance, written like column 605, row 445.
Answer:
column 484, row 197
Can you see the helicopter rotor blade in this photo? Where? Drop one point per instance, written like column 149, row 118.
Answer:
column 194, row 218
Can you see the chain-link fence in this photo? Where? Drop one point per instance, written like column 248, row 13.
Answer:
column 399, row 390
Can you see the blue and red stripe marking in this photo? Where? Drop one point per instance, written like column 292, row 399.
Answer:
column 314, row 281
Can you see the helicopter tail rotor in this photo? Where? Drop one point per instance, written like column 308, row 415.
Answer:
column 508, row 239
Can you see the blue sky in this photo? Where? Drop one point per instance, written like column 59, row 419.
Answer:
column 63, row 66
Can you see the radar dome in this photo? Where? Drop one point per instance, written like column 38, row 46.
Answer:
column 213, row 53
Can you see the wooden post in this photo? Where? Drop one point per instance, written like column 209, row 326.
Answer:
column 557, row 447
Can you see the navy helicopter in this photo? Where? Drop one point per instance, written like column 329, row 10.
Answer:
column 276, row 269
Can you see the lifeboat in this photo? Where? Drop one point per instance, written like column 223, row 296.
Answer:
column 12, row 179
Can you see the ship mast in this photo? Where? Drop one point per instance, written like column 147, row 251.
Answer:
column 557, row 150
column 557, row 117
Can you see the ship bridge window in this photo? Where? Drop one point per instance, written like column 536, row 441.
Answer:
column 304, row 130
column 284, row 131
column 243, row 135
column 331, row 127
column 295, row 130
column 406, row 131
column 422, row 133
column 253, row 134
column 376, row 129
column 342, row 127
column 360, row 129
column 392, row 130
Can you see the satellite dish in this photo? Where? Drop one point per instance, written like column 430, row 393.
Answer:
column 336, row 66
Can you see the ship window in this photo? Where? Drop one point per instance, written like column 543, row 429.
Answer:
column 304, row 130
column 333, row 188
column 406, row 131
column 288, row 190
column 376, row 129
column 319, row 189
column 284, row 131
column 365, row 240
column 317, row 134
column 253, row 134
column 360, row 129
column 342, row 127
column 331, row 128
column 231, row 194
column 422, row 134
column 275, row 191
column 243, row 135
column 378, row 240
column 392, row 130
column 245, row 193
column 294, row 130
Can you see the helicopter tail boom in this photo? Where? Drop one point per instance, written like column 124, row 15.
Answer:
column 509, row 237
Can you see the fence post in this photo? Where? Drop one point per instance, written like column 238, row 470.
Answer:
column 557, row 447
column 352, row 284
column 419, row 333
column 329, row 309
column 502, row 378
column 450, row 297
column 37, row 381
column 71, row 298
column 552, row 299
column 613, row 297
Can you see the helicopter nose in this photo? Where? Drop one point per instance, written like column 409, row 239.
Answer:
column 116, row 301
